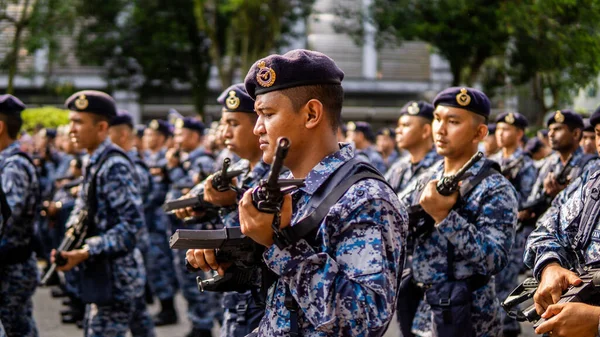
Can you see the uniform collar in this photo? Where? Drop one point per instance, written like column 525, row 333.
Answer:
column 319, row 174
column 99, row 151
column 10, row 150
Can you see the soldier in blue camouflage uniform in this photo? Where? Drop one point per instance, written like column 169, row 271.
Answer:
column 480, row 229
column 112, row 245
column 161, row 272
column 565, row 130
column 362, row 136
column 588, row 139
column 566, row 239
column 490, row 144
column 198, row 165
column 345, row 283
column 386, row 146
column 242, row 314
column 413, row 134
column 20, row 183
column 122, row 134
column 518, row 168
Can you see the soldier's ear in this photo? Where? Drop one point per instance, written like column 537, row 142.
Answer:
column 315, row 114
column 481, row 133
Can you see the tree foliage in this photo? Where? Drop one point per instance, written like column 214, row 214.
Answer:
column 49, row 117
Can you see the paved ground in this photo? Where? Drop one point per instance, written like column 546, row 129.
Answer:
column 47, row 315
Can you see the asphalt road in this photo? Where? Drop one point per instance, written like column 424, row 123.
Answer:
column 47, row 316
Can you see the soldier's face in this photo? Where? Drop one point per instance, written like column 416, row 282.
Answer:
column 187, row 139
column 561, row 137
column 238, row 134
column 597, row 132
column 153, row 139
column 410, row 131
column 277, row 118
column 456, row 131
column 507, row 135
column 84, row 131
column 588, row 142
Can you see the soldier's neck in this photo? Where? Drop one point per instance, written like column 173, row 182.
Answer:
column 419, row 152
column 5, row 142
column 564, row 155
column 454, row 164
column 507, row 151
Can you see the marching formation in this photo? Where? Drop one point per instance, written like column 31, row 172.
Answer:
column 282, row 220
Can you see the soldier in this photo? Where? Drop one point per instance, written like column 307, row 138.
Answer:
column 386, row 147
column 112, row 272
column 518, row 168
column 588, row 140
column 565, row 131
column 490, row 144
column 362, row 136
column 470, row 240
column 537, row 151
column 122, row 134
column 242, row 314
column 565, row 240
column 21, row 186
column 344, row 282
column 413, row 134
column 161, row 272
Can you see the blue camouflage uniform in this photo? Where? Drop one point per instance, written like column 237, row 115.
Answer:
column 119, row 220
column 18, row 279
column 482, row 233
column 403, row 172
column 523, row 180
column 201, row 306
column 374, row 158
column 348, row 284
column 161, row 272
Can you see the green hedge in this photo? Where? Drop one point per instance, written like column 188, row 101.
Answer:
column 48, row 116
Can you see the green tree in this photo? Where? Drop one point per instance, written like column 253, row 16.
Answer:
column 49, row 117
column 35, row 24
column 242, row 31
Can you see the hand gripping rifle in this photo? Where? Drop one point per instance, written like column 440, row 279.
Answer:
column 221, row 182
column 73, row 239
column 445, row 186
column 584, row 293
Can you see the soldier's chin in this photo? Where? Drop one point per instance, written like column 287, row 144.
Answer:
column 268, row 156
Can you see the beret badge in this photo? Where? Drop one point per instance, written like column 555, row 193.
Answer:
column 154, row 124
column 413, row 109
column 463, row 98
column 265, row 76
column 386, row 132
column 179, row 123
column 81, row 102
column 232, row 102
column 559, row 117
column 510, row 118
column 351, row 126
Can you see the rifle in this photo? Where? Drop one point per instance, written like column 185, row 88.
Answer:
column 445, row 186
column 73, row 239
column 511, row 170
column 221, row 180
column 589, row 288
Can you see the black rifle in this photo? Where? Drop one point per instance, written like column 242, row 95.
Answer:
column 511, row 170
column 221, row 180
column 587, row 291
column 73, row 239
column 445, row 186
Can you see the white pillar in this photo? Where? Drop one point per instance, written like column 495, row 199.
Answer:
column 369, row 61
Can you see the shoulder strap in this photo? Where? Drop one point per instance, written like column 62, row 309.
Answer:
column 332, row 190
column 6, row 211
column 589, row 215
column 586, row 159
column 489, row 168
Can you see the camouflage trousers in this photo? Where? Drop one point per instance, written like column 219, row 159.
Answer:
column 242, row 315
column 160, row 267
column 17, row 286
column 116, row 319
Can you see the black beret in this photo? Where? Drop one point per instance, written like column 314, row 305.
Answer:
column 10, row 105
column 513, row 118
column 389, row 132
column 491, row 129
column 533, row 145
column 420, row 109
column 161, row 126
column 363, row 127
column 566, row 117
column 190, row 123
column 293, row 69
column 48, row 133
column 587, row 125
column 595, row 118
column 92, row 101
column 139, row 130
column 236, row 99
column 464, row 98
column 122, row 118
column 543, row 132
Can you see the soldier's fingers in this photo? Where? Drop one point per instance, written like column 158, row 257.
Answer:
column 52, row 256
column 191, row 259
column 200, row 261
column 553, row 310
column 223, row 267
column 211, row 259
column 545, row 327
column 573, row 279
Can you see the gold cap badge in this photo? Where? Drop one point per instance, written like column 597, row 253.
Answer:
column 154, row 124
column 265, row 76
column 559, row 117
column 413, row 109
column 351, row 126
column 232, row 102
column 510, row 118
column 81, row 102
column 386, row 132
column 463, row 99
column 179, row 123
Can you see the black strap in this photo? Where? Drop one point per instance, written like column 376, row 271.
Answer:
column 589, row 216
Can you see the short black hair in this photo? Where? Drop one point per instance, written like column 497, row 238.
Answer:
column 96, row 118
column 330, row 95
column 13, row 124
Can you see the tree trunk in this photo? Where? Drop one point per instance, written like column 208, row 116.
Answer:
column 13, row 57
